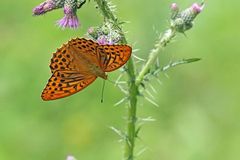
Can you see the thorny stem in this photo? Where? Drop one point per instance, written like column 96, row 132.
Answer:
column 163, row 41
column 135, row 80
column 133, row 89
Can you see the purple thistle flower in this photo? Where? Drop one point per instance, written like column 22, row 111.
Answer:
column 107, row 39
column 102, row 40
column 44, row 7
column 174, row 7
column 196, row 8
column 70, row 19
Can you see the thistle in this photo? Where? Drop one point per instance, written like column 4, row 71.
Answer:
column 70, row 18
column 47, row 6
column 105, row 34
column 111, row 33
column 183, row 21
column 70, row 7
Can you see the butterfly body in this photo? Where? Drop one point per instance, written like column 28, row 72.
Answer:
column 79, row 62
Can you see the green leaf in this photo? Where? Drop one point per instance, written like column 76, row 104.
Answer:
column 179, row 62
column 190, row 60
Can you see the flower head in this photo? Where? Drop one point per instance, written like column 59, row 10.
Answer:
column 183, row 21
column 45, row 7
column 102, row 40
column 174, row 7
column 105, row 34
column 70, row 18
column 196, row 8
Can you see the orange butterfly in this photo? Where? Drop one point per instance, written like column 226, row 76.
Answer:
column 79, row 62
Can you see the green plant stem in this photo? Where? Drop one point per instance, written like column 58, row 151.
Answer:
column 163, row 41
column 105, row 9
column 133, row 89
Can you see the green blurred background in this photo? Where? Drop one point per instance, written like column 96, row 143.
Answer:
column 198, row 117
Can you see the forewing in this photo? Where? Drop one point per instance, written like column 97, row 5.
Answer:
column 71, row 56
column 65, row 83
column 84, row 51
column 113, row 57
column 62, row 59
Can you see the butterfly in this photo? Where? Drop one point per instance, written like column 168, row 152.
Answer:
column 78, row 63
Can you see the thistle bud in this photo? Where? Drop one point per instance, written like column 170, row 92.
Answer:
column 105, row 34
column 183, row 21
column 47, row 6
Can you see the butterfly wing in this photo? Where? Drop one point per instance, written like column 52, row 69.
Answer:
column 85, row 51
column 72, row 55
column 62, row 59
column 65, row 83
column 113, row 57
column 70, row 68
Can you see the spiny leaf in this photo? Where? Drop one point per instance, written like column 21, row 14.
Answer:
column 176, row 63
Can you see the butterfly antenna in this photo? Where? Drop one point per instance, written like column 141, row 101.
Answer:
column 103, row 86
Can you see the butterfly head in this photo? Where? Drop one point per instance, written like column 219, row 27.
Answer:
column 104, row 76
